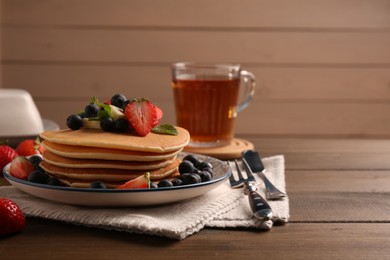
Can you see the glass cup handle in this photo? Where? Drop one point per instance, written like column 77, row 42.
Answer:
column 249, row 82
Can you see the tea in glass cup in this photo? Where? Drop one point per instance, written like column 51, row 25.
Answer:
column 207, row 100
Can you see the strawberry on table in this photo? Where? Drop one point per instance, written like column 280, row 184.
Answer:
column 142, row 115
column 7, row 154
column 142, row 181
column 21, row 167
column 29, row 147
column 11, row 217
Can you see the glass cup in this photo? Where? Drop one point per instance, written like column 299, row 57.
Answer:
column 207, row 99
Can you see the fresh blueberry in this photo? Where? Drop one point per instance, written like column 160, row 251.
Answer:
column 107, row 124
column 91, row 110
column 164, row 183
column 177, row 182
column 54, row 181
column 153, row 185
column 192, row 158
column 203, row 165
column 74, row 122
column 38, row 177
column 121, row 125
column 98, row 185
column 205, row 176
column 35, row 160
column 118, row 100
column 186, row 167
column 209, row 170
column 190, row 178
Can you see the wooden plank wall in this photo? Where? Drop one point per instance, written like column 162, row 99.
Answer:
column 323, row 66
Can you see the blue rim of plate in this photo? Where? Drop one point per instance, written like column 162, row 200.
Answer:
column 215, row 179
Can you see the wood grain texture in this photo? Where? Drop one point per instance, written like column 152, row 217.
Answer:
column 322, row 66
column 334, row 14
column 335, row 213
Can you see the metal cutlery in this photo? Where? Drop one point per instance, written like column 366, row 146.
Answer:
column 260, row 207
column 256, row 165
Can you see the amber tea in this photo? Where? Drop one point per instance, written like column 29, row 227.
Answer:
column 206, row 101
column 207, row 108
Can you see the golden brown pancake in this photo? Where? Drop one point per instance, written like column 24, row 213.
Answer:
column 85, row 152
column 157, row 143
column 96, row 163
column 116, row 175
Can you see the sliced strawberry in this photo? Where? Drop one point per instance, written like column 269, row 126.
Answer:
column 29, row 147
column 11, row 217
column 142, row 181
column 7, row 154
column 21, row 167
column 142, row 115
column 159, row 116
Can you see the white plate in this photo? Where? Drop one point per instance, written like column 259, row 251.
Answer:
column 123, row 198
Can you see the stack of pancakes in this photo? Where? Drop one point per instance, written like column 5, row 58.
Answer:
column 80, row 157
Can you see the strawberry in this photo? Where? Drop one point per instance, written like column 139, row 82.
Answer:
column 7, row 154
column 21, row 167
column 30, row 147
column 142, row 115
column 159, row 116
column 142, row 181
column 11, row 217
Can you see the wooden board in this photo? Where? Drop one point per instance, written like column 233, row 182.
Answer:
column 233, row 150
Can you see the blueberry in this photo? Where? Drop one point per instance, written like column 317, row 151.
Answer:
column 35, row 160
column 153, row 185
column 98, row 185
column 203, row 165
column 164, row 183
column 54, row 181
column 190, row 178
column 209, row 170
column 91, row 110
column 192, row 158
column 205, row 176
column 186, row 167
column 121, row 125
column 118, row 100
column 177, row 182
column 74, row 122
column 38, row 177
column 107, row 124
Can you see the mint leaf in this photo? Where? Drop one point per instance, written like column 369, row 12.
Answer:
column 165, row 129
column 105, row 111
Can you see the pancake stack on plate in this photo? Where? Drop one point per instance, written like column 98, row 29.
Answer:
column 79, row 157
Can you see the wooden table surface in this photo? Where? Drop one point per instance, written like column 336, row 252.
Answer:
column 339, row 193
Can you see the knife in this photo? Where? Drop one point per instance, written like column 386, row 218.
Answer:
column 253, row 159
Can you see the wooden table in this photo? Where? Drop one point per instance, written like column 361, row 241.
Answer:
column 339, row 193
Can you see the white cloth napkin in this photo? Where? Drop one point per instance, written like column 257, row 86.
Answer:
column 220, row 208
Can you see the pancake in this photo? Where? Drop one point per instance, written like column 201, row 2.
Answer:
column 84, row 152
column 116, row 175
column 157, row 143
column 61, row 161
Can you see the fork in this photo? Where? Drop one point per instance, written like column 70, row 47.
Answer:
column 260, row 207
column 254, row 161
